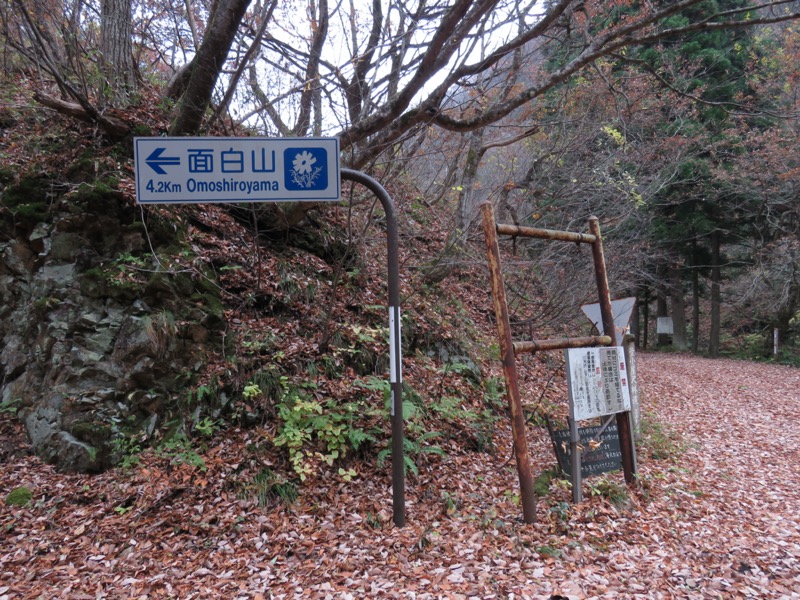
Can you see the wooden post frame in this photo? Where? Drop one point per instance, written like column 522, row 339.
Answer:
column 509, row 349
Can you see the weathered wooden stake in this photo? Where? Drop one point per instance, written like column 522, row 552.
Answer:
column 527, row 495
column 623, row 423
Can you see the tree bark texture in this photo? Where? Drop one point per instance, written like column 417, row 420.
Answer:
column 695, row 310
column 116, row 33
column 678, row 309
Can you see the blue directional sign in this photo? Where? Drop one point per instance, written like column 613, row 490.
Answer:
column 251, row 169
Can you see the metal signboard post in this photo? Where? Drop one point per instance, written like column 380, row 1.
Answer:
column 598, row 386
column 253, row 169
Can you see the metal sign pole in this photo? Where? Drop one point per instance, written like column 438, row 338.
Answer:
column 395, row 342
column 574, row 441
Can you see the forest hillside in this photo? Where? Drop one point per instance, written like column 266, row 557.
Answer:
column 210, row 383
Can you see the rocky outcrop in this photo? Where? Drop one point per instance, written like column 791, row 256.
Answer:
column 92, row 351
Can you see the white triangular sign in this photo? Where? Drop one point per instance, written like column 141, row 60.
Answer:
column 621, row 309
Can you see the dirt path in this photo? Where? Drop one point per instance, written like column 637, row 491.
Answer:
column 737, row 504
column 717, row 516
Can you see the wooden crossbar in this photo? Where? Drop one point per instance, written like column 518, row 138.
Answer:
column 562, row 343
column 546, row 234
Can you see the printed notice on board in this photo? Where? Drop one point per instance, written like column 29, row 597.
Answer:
column 598, row 382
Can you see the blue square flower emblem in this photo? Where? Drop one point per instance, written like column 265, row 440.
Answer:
column 305, row 169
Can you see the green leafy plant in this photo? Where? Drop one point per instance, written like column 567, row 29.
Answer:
column 10, row 406
column 251, row 390
column 561, row 511
column 127, row 449
column 452, row 503
column 658, row 441
column 541, row 486
column 207, row 426
column 316, row 432
column 615, row 493
column 549, row 551
column 268, row 488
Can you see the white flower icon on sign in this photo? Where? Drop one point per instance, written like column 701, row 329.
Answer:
column 303, row 162
column 303, row 173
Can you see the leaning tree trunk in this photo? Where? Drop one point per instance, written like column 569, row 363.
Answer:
column 207, row 65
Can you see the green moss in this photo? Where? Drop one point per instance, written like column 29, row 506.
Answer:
column 29, row 198
column 210, row 302
column 20, row 496
column 95, row 196
column 84, row 168
column 91, row 432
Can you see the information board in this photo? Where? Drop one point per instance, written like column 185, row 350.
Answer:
column 600, row 454
column 598, row 382
column 248, row 169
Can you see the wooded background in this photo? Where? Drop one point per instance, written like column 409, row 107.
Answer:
column 676, row 123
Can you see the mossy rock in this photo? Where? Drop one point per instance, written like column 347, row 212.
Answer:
column 29, row 199
column 91, row 432
column 20, row 496
column 100, row 197
column 94, row 282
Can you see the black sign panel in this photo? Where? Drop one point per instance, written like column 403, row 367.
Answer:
column 595, row 459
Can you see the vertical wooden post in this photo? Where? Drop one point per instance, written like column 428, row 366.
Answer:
column 601, row 276
column 527, row 495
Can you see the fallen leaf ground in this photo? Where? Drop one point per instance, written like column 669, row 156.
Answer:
column 717, row 515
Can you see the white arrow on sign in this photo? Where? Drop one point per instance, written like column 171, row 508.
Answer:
column 249, row 169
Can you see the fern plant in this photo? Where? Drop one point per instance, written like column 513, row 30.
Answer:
column 413, row 449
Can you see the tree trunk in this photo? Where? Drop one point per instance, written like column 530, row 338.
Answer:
column 634, row 324
column 678, row 309
column 207, row 64
column 695, row 310
column 116, row 33
column 469, row 181
column 713, row 341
